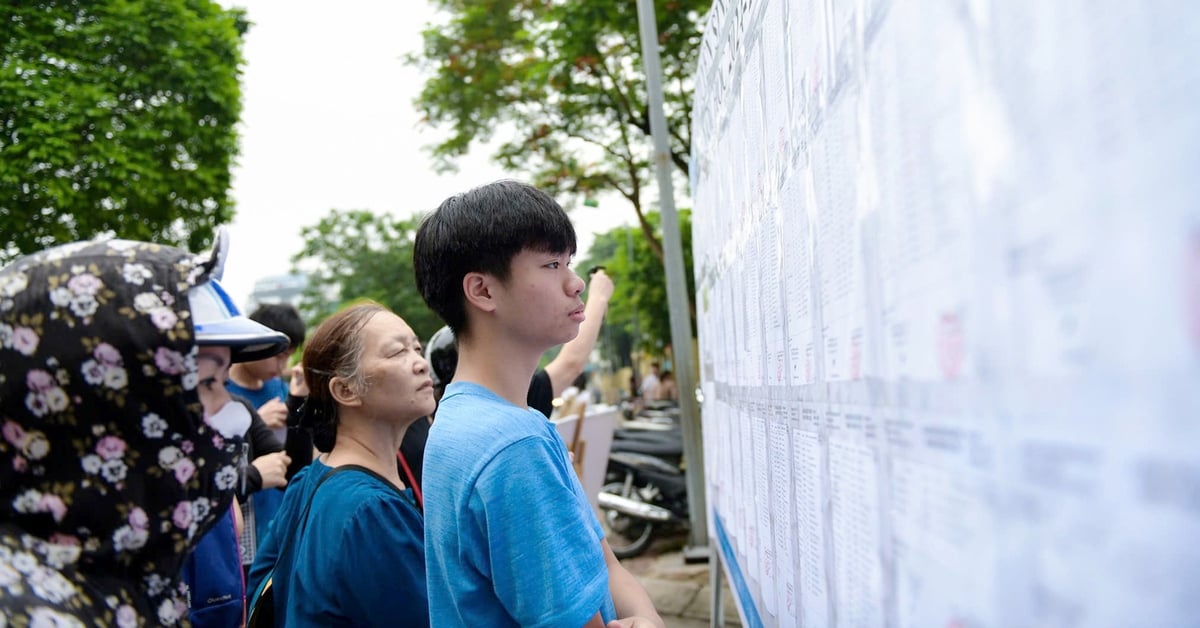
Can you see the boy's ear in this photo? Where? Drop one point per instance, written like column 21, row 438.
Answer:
column 477, row 288
column 344, row 392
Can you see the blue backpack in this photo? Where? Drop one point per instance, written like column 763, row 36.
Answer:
column 213, row 573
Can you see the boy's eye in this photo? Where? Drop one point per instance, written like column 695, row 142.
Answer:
column 553, row 265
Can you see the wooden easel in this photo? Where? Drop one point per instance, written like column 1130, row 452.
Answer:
column 577, row 445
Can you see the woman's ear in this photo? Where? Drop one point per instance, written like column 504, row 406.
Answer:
column 478, row 290
column 344, row 392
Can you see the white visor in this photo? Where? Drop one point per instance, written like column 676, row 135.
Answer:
column 218, row 322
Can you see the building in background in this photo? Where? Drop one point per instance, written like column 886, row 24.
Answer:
column 277, row 289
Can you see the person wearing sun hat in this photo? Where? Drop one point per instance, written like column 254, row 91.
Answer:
column 115, row 459
column 213, row 572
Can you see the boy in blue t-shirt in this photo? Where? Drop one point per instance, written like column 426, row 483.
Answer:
column 510, row 537
column 260, row 383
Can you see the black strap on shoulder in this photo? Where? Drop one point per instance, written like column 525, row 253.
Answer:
column 304, row 514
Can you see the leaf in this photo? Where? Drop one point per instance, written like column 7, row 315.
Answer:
column 100, row 132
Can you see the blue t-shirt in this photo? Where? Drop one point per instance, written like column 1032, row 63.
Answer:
column 510, row 537
column 359, row 561
column 274, row 388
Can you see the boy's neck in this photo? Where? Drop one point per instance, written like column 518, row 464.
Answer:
column 240, row 377
column 505, row 368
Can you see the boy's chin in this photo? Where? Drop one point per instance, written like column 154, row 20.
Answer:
column 568, row 336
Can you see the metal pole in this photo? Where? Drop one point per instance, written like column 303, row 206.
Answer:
column 677, row 297
column 717, row 618
column 633, row 361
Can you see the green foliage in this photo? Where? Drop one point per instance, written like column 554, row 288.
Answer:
column 117, row 118
column 561, row 85
column 351, row 255
column 640, row 284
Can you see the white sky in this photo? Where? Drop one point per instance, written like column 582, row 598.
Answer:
column 328, row 122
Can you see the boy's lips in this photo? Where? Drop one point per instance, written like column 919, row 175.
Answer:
column 577, row 315
column 426, row 384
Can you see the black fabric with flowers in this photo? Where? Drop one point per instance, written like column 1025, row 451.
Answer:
column 108, row 474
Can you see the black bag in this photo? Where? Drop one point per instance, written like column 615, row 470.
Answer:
column 262, row 610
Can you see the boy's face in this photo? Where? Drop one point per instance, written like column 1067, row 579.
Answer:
column 540, row 301
column 268, row 368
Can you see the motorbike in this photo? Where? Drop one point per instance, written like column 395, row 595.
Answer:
column 645, row 493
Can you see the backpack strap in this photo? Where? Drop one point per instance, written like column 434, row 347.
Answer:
column 287, row 544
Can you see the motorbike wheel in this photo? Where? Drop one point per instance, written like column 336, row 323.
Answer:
column 627, row 536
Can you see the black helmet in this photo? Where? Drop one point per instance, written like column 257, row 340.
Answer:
column 442, row 353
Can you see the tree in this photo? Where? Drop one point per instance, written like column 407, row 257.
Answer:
column 640, row 284
column 117, row 118
column 564, row 82
column 350, row 255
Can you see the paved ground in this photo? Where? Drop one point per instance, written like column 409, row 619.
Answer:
column 680, row 591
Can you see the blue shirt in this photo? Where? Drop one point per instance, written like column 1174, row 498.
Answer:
column 510, row 537
column 359, row 561
column 274, row 388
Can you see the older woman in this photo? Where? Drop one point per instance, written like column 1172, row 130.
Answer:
column 117, row 452
column 346, row 547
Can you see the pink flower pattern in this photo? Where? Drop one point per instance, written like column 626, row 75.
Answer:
column 126, row 401
column 110, row 447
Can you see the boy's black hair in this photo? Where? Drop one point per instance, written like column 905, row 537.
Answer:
column 283, row 318
column 481, row 231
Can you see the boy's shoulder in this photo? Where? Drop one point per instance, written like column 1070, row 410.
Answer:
column 471, row 403
column 475, row 419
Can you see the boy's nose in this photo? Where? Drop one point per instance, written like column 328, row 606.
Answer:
column 576, row 285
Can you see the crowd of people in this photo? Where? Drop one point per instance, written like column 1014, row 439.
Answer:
column 157, row 468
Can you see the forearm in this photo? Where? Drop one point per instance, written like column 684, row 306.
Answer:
column 253, row 483
column 628, row 595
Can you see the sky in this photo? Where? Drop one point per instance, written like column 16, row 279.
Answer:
column 328, row 122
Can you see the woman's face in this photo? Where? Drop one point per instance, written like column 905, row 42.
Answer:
column 213, row 366
column 399, row 387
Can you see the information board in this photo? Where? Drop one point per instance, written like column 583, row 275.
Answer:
column 948, row 302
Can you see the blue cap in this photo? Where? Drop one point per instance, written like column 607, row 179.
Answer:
column 217, row 321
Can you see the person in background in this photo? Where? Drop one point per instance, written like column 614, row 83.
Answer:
column 260, row 383
column 213, row 572
column 575, row 398
column 649, row 390
column 510, row 538
column 667, row 389
column 116, row 456
column 354, row 554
